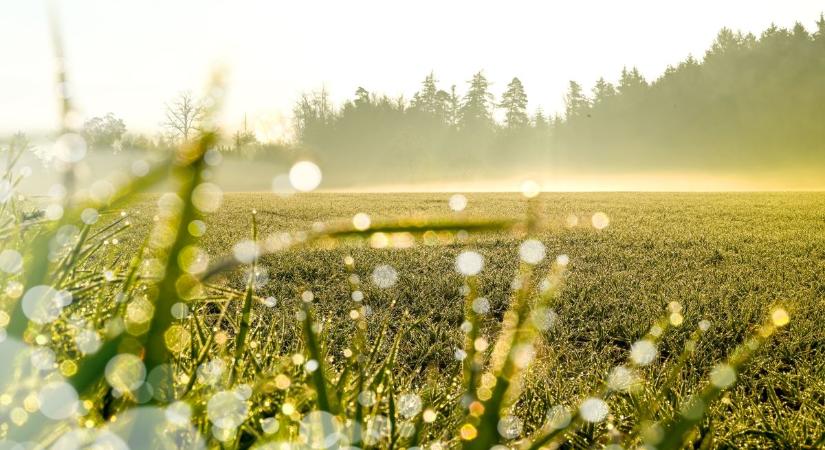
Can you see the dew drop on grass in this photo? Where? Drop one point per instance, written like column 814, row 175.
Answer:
column 531, row 251
column 780, row 317
column 523, row 355
column 593, row 410
column 125, row 372
column 58, row 400
column 481, row 305
column 227, row 410
column 311, row 366
column 305, row 176
column 244, row 390
column 70, row 148
column 366, row 398
column 361, row 221
column 558, row 417
column 140, row 168
column 42, row 358
column 11, row 261
column 207, row 197
column 643, row 352
column 270, row 425
column 196, row 228
column 246, row 251
column 384, row 276
column 600, row 220
column 409, row 405
column 543, row 318
column 509, row 427
column 87, row 341
column 320, row 429
column 178, row 413
column 213, row 157
column 210, row 373
column 89, row 216
column 469, row 263
column 723, row 376
column 193, row 260
column 180, row 310
column 621, row 378
column 54, row 211
column 457, row 202
column 42, row 304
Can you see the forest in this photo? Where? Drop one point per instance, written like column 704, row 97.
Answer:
column 750, row 103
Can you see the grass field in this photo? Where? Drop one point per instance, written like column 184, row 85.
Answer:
column 726, row 258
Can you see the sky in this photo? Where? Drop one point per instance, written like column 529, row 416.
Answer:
column 131, row 57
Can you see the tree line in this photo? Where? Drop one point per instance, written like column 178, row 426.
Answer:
column 750, row 102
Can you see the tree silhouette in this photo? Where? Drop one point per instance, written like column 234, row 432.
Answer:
column 575, row 102
column 103, row 132
column 183, row 116
column 475, row 111
column 514, row 102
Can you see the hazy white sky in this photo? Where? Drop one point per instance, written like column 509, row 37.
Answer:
column 129, row 57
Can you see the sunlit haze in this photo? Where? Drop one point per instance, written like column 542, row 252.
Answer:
column 130, row 58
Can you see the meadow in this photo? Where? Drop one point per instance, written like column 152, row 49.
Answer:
column 725, row 258
column 198, row 318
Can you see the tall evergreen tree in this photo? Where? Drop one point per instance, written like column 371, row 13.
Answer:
column 475, row 111
column 426, row 99
column 540, row 120
column 575, row 102
column 602, row 91
column 453, row 107
column 514, row 102
column 631, row 82
column 819, row 34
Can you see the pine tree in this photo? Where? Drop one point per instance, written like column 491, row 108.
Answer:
column 514, row 102
column 453, row 107
column 540, row 121
column 602, row 91
column 426, row 99
column 475, row 111
column 575, row 102
column 631, row 82
column 819, row 34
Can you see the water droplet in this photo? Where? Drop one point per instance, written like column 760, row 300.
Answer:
column 458, row 202
column 305, row 176
column 384, row 276
column 600, row 221
column 469, row 263
column 643, row 352
column 531, row 251
column 593, row 410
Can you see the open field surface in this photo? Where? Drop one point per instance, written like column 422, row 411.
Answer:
column 726, row 258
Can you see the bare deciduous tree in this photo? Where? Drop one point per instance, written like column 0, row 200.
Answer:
column 183, row 116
